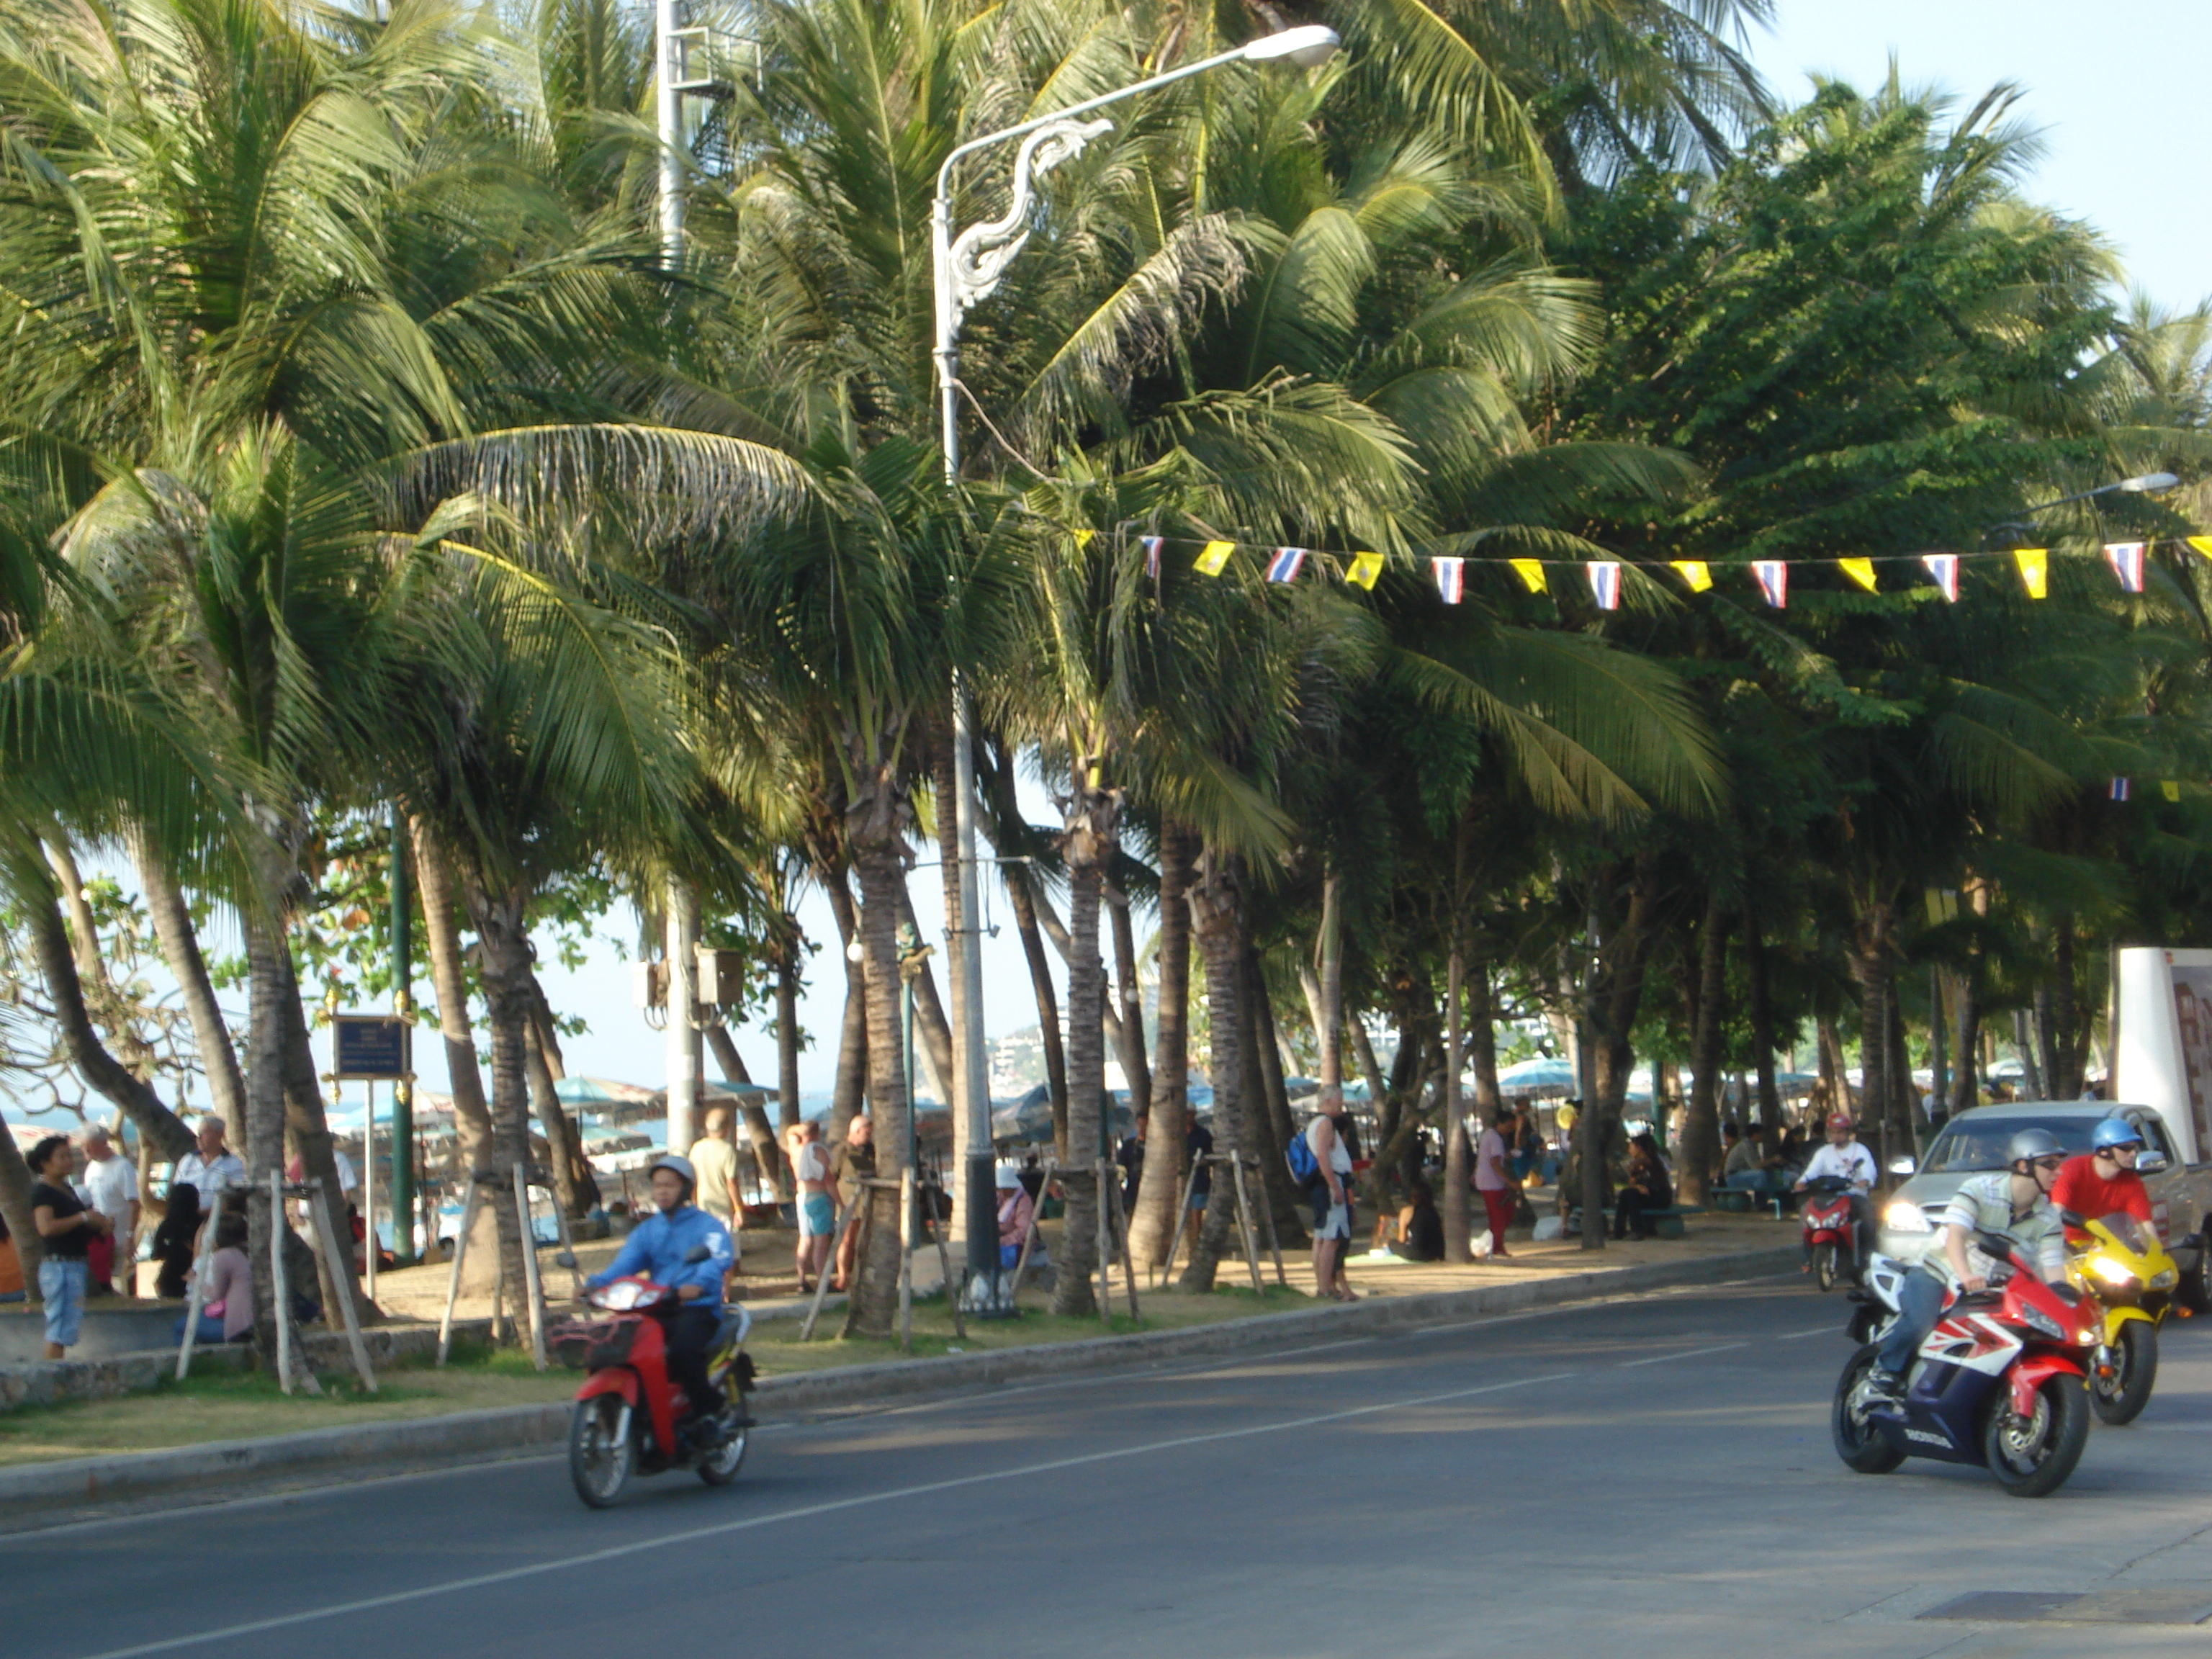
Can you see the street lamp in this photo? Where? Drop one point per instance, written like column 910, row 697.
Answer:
column 2146, row 483
column 965, row 269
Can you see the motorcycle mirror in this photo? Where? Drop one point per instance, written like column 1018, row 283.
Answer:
column 695, row 1254
column 2150, row 1163
column 564, row 1259
column 1904, row 1166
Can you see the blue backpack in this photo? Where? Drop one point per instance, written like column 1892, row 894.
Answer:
column 1305, row 1168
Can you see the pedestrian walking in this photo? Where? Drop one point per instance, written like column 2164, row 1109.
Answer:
column 1130, row 1157
column 714, row 1157
column 1493, row 1178
column 66, row 1227
column 851, row 1164
column 817, row 1201
column 1197, row 1147
column 1330, row 1188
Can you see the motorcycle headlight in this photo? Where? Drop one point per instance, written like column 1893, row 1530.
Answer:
column 1904, row 1216
column 2111, row 1272
column 2162, row 1281
column 2088, row 1339
column 2042, row 1323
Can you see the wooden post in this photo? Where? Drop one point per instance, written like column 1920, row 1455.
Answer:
column 369, row 1189
column 1128, row 1263
column 1022, row 1262
column 530, row 1286
column 326, row 1230
column 568, row 1249
column 1244, row 1226
column 199, row 1291
column 906, row 1259
column 283, row 1294
column 1274, row 1239
column 453, row 1279
column 944, row 1267
column 1182, row 1219
column 848, row 1215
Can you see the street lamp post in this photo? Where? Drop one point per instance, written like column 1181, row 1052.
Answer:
column 965, row 269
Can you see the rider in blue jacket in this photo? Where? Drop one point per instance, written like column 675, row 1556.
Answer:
column 656, row 1249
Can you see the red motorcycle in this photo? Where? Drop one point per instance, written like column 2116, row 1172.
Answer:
column 1832, row 1234
column 626, row 1413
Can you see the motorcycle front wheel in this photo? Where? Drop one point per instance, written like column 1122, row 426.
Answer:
column 2121, row 1397
column 1858, row 1442
column 1824, row 1266
column 602, row 1452
column 2031, row 1457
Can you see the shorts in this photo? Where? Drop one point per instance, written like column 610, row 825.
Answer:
column 737, row 1238
column 818, row 1216
column 1321, row 1229
column 1198, row 1198
column 61, row 1284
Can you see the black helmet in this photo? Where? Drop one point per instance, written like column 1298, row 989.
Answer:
column 2031, row 1144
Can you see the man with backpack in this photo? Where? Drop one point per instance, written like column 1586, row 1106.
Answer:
column 1321, row 1163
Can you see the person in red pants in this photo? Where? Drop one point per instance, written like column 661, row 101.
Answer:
column 1493, row 1178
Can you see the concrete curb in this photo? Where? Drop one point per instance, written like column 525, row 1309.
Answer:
column 66, row 1489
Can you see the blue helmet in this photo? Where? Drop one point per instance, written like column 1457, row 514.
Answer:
column 2115, row 1131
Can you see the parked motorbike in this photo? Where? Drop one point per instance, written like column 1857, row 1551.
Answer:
column 626, row 1413
column 2129, row 1271
column 1998, row 1382
column 1830, row 1232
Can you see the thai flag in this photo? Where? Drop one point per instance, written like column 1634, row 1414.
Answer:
column 1152, row 546
column 1605, row 583
column 2126, row 559
column 2119, row 789
column 1451, row 577
column 1774, row 581
column 1944, row 567
column 1284, row 567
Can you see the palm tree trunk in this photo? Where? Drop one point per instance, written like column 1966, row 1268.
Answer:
column 307, row 1126
column 1093, row 836
column 267, row 982
column 1459, row 1228
column 1758, row 1004
column 1129, row 999
column 1701, row 1130
column 563, row 1146
column 441, row 945
column 1153, row 1227
column 1023, row 899
column 787, row 1027
column 2065, row 1064
column 1616, row 998
column 50, row 941
column 1272, row 1128
column 877, row 818
column 850, row 1088
column 15, row 1179
column 180, row 948
column 1870, row 965
column 500, row 917
column 930, row 1024
column 1215, row 902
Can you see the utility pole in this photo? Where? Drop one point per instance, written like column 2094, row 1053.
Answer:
column 402, row 1091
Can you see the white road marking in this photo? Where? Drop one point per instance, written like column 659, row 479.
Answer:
column 1688, row 1353
column 666, row 1541
column 1817, row 1330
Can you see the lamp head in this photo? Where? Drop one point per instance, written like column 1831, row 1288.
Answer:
column 2149, row 484
column 1306, row 45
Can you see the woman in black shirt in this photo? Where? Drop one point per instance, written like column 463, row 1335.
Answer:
column 66, row 1229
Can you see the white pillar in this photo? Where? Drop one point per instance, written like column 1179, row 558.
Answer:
column 684, row 1035
column 670, row 109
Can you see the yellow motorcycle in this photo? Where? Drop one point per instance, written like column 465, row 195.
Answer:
column 2127, row 1270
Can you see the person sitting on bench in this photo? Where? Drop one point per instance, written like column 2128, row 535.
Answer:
column 1646, row 1189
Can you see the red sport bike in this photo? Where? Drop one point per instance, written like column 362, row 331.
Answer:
column 626, row 1414
column 1831, row 1236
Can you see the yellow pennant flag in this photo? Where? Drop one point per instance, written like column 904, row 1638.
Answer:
column 2035, row 564
column 1694, row 572
column 1860, row 571
column 1214, row 558
column 2203, row 544
column 1530, row 571
column 1083, row 536
column 2170, row 788
column 1365, row 568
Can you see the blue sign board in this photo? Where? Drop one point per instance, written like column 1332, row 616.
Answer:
column 371, row 1046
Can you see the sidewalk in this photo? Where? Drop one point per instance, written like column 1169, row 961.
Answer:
column 429, row 1419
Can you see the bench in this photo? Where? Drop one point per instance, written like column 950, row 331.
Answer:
column 1667, row 1223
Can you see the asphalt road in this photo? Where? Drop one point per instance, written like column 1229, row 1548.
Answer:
column 1640, row 1478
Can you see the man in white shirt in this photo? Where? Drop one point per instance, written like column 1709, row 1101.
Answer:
column 112, row 1187
column 210, row 1166
column 1845, row 1159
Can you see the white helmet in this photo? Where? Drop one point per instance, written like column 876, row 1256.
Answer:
column 681, row 1166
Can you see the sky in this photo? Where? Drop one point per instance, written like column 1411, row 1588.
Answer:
column 2115, row 89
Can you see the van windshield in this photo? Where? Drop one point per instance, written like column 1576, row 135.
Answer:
column 1978, row 1142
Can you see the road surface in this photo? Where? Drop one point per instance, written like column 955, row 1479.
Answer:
column 1640, row 1479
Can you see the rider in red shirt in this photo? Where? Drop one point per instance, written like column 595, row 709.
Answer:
column 2103, row 1181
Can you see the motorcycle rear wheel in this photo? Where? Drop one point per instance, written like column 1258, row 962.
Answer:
column 2121, row 1398
column 719, row 1468
column 601, row 1457
column 1858, row 1442
column 1824, row 1266
column 2034, row 1457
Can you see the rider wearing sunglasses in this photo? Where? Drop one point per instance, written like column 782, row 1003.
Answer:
column 2102, row 1181
column 2014, row 1202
